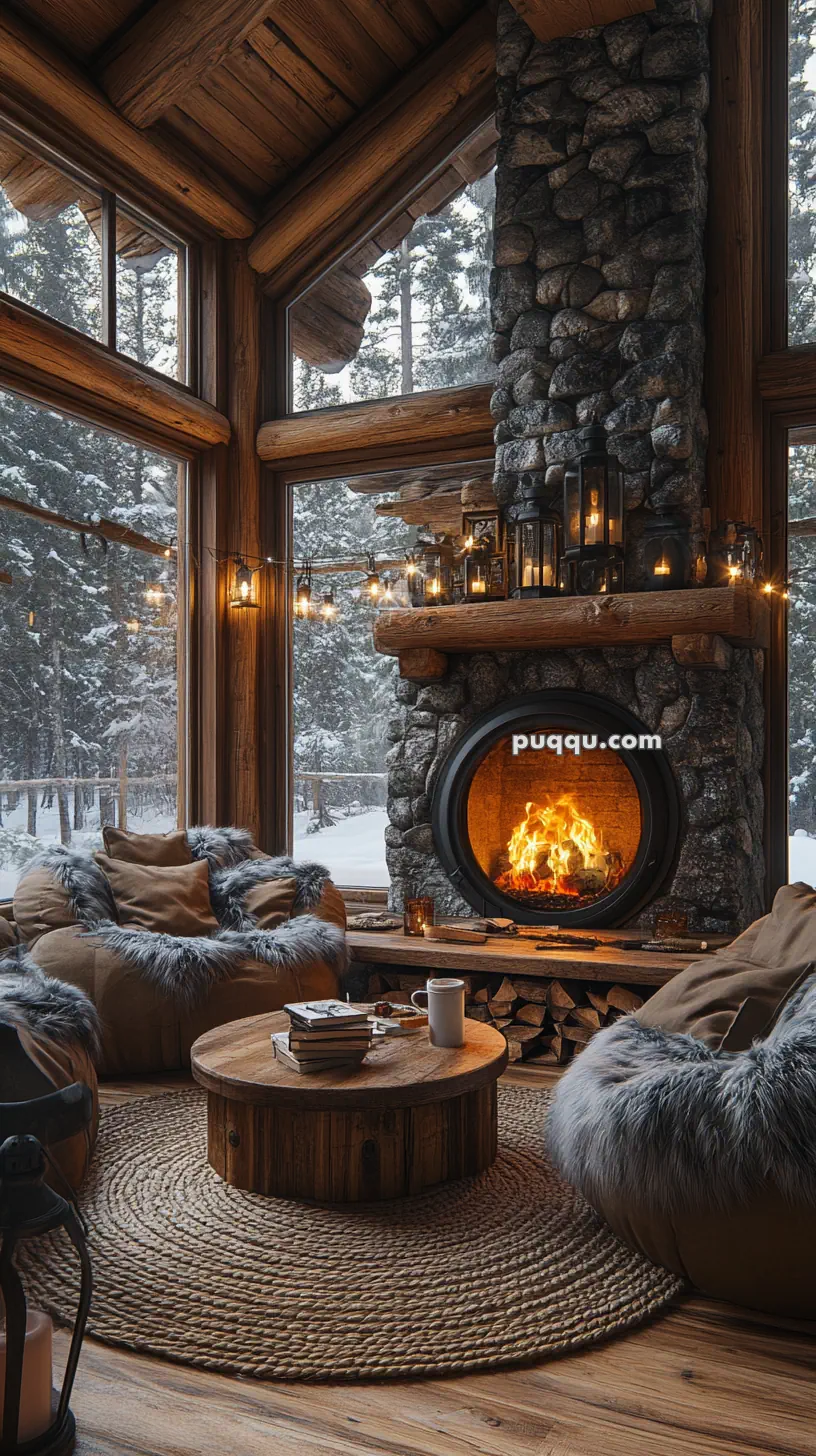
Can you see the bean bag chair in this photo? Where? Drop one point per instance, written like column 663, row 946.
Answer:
column 691, row 1125
column 49, row 1038
column 169, row 939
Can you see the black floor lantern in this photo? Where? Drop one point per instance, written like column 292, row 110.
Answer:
column 29, row 1209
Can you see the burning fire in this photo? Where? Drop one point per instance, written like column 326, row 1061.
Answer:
column 555, row 850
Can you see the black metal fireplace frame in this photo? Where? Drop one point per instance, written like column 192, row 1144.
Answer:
column 574, row 712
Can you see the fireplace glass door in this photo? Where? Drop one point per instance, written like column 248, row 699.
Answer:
column 554, row 831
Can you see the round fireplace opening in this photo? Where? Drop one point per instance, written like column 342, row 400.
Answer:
column 557, row 809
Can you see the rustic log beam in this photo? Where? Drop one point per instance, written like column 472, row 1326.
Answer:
column 422, row 664
column 366, row 155
column 549, row 19
column 449, row 415
column 170, row 49
column 108, row 530
column 38, row 80
column 789, row 374
column 50, row 359
column 735, row 235
column 739, row 613
column 802, row 528
column 702, row 649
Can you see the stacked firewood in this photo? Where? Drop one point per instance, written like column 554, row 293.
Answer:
column 544, row 1021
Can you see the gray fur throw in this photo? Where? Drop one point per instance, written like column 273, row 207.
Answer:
column 186, row 968
column 658, row 1119
column 30, row 999
column 229, row 887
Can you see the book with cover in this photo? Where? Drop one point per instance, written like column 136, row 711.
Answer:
column 321, row 1064
column 321, row 1014
column 343, row 1035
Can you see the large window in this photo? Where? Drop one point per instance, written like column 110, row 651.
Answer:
column 77, row 254
column 343, row 689
column 801, row 654
column 91, row 634
column 409, row 311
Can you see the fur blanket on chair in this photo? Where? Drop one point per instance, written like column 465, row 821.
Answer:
column 30, row 999
column 186, row 968
column 657, row 1119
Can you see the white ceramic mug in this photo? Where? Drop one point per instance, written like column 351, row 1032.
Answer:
column 445, row 999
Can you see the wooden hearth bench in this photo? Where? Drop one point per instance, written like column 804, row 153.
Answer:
column 548, row 1003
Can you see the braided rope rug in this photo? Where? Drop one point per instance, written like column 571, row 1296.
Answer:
column 509, row 1266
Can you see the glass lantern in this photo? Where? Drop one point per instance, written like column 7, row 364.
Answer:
column 437, row 574
column 736, row 554
column 667, row 552
column 242, row 593
column 483, row 575
column 536, row 541
column 593, row 518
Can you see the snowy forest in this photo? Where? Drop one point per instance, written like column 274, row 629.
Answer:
column 433, row 289
column 87, row 627
column 802, row 457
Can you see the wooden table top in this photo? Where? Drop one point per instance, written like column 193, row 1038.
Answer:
column 237, row 1061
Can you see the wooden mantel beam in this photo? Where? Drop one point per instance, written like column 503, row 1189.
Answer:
column 549, row 19
column 450, row 416
column 170, row 49
column 39, row 84
column 360, row 164
column 50, row 360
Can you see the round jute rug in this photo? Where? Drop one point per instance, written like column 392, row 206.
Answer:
column 507, row 1267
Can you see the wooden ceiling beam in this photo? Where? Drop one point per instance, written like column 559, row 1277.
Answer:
column 44, row 90
column 49, row 360
column 450, row 415
column 170, row 49
column 550, row 19
column 360, row 163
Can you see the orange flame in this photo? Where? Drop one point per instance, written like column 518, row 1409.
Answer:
column 551, row 845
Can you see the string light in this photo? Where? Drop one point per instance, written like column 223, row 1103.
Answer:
column 372, row 581
column 329, row 607
column 303, row 593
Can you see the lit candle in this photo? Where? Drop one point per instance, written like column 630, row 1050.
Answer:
column 662, row 567
column 35, row 1394
column 478, row 584
column 433, row 586
column 527, row 572
column 546, row 575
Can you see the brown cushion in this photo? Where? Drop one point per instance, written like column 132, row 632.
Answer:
column 270, row 903
column 330, row 907
column 8, row 934
column 729, row 999
column 40, row 905
column 147, row 849
column 173, row 899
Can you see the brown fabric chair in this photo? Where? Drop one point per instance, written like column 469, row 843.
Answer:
column 691, row 1126
column 278, row 938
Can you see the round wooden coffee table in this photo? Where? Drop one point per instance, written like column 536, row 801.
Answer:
column 412, row 1116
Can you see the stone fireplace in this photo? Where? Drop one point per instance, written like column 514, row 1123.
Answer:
column 598, row 316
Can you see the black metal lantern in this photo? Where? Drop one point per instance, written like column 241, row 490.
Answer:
column 30, row 1209
column 536, row 541
column 484, row 565
column 437, row 574
column 593, row 518
column 667, row 551
column 242, row 594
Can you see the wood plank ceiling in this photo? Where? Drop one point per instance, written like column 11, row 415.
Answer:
column 276, row 93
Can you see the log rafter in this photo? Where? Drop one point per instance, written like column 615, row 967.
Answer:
column 170, row 49
column 550, row 19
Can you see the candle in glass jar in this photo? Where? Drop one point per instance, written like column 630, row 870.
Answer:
column 419, row 912
column 35, row 1394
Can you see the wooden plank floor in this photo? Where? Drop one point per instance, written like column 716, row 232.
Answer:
column 705, row 1380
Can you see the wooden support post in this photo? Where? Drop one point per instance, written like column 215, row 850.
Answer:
column 702, row 649
column 422, row 664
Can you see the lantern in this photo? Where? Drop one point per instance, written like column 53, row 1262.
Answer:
column 372, row 585
column 303, row 594
column 484, row 564
column 414, row 578
column 737, row 554
column 34, row 1421
column 535, row 541
column 328, row 610
column 437, row 574
column 667, row 552
column 593, row 518
column 242, row 594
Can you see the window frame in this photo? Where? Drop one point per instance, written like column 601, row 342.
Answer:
column 111, row 201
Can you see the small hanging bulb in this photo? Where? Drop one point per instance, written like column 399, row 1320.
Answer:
column 372, row 581
column 153, row 594
column 32, row 620
column 329, row 608
column 388, row 591
column 735, row 571
column 768, row 588
column 168, row 551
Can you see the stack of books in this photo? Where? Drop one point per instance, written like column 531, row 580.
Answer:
column 323, row 1035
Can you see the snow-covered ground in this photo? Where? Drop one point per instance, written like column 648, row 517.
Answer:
column 802, row 858
column 353, row 851
column 155, row 822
